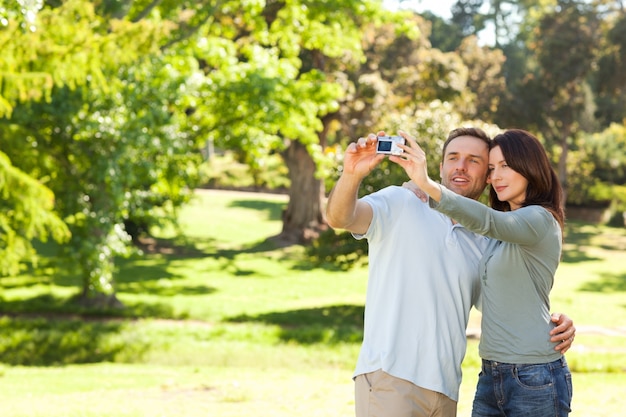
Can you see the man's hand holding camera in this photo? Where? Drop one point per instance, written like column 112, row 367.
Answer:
column 361, row 157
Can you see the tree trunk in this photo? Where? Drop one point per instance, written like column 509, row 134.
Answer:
column 96, row 267
column 563, row 165
column 303, row 219
column 561, row 135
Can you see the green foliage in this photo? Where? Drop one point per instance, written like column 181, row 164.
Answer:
column 598, row 168
column 467, row 18
column 607, row 151
column 65, row 46
column 485, row 81
column 26, row 213
column 614, row 198
column 278, row 99
column 22, row 13
column 125, row 158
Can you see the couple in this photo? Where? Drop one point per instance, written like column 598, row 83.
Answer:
column 427, row 271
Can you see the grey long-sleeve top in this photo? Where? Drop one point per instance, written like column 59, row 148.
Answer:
column 517, row 273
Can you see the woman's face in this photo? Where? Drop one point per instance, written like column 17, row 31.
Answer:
column 509, row 185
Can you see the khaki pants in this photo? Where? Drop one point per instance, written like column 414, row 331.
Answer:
column 379, row 394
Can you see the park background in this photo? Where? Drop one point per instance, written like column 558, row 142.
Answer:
column 134, row 283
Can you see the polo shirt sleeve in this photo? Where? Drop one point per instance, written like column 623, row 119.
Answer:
column 386, row 205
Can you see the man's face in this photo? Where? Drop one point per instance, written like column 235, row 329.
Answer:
column 464, row 166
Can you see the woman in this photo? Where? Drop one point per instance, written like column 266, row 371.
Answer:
column 521, row 374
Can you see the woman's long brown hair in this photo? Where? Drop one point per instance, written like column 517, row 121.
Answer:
column 525, row 154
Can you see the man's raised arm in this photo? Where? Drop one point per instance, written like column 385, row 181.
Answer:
column 344, row 210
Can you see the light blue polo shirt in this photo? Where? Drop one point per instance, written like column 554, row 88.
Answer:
column 423, row 281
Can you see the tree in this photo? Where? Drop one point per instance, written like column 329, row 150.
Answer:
column 466, row 16
column 547, row 72
column 28, row 204
column 609, row 82
column 111, row 150
column 485, row 80
column 443, row 35
column 406, row 84
column 272, row 75
column 566, row 48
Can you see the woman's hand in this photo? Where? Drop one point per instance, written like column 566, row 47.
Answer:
column 410, row 185
column 413, row 161
column 563, row 333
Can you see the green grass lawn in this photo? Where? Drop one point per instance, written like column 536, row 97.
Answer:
column 221, row 323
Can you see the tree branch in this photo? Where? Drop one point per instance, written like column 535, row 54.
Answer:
column 147, row 10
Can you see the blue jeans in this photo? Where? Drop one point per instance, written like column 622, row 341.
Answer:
column 533, row 390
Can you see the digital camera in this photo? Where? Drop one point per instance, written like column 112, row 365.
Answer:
column 388, row 145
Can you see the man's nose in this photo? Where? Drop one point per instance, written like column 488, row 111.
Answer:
column 461, row 165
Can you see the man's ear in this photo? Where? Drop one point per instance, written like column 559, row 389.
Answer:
column 440, row 170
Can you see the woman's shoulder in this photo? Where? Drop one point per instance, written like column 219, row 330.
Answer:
column 536, row 213
column 534, row 210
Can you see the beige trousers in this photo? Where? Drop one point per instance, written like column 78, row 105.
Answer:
column 378, row 394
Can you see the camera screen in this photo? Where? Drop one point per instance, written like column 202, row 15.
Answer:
column 384, row 146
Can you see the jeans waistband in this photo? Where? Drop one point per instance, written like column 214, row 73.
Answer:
column 495, row 364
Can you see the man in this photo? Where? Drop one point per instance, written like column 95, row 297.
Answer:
column 423, row 281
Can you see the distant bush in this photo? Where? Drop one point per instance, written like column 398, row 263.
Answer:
column 337, row 250
column 225, row 171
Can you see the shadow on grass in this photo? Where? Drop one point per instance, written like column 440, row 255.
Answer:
column 576, row 243
column 43, row 342
column 153, row 275
column 149, row 273
column 274, row 209
column 305, row 260
column 257, row 247
column 577, row 255
column 334, row 251
column 332, row 324
column 608, row 283
column 63, row 308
